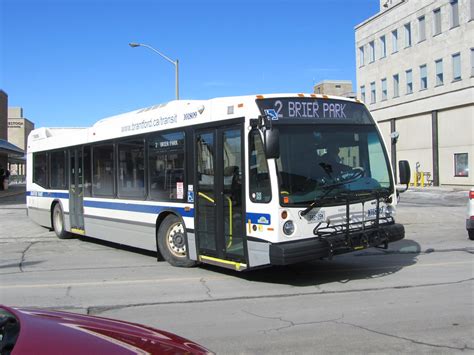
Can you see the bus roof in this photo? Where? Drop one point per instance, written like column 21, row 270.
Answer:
column 163, row 116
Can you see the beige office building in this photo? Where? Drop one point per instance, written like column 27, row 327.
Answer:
column 415, row 72
column 335, row 87
column 19, row 128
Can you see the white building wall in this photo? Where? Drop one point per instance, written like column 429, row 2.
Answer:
column 412, row 112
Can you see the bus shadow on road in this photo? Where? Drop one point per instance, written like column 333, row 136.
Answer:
column 368, row 264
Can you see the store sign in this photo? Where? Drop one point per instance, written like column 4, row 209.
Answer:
column 15, row 124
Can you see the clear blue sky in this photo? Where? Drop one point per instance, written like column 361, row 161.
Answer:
column 68, row 63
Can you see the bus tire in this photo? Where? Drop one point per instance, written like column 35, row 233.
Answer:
column 171, row 240
column 58, row 222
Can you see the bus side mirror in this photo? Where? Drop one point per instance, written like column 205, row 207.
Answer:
column 272, row 143
column 404, row 173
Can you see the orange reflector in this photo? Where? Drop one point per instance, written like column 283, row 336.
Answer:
column 270, row 229
column 286, row 199
column 313, row 95
column 187, row 209
column 325, row 97
column 240, row 105
column 284, row 215
column 259, row 96
column 301, row 95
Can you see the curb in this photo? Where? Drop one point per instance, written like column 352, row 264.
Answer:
column 14, row 192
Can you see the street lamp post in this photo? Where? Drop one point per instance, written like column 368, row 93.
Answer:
column 174, row 62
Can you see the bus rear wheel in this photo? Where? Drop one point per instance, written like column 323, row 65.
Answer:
column 58, row 222
column 171, row 240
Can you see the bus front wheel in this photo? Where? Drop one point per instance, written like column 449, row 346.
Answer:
column 58, row 222
column 171, row 240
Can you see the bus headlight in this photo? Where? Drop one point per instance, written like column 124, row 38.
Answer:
column 288, row 228
column 390, row 211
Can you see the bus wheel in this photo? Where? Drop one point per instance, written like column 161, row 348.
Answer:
column 58, row 222
column 172, row 242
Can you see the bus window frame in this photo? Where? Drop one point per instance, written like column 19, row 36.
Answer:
column 65, row 182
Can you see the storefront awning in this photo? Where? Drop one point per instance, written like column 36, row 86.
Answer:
column 10, row 149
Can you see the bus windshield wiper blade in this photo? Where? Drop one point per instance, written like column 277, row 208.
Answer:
column 318, row 200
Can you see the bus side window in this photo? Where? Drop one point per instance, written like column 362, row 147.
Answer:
column 259, row 178
column 40, row 169
column 57, row 169
column 166, row 162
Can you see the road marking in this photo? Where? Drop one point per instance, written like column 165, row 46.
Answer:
column 112, row 283
column 154, row 281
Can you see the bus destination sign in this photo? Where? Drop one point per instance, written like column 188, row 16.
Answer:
column 311, row 108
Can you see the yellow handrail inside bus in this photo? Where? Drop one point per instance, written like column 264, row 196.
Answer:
column 210, row 199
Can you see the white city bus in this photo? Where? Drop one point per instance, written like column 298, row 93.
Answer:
column 240, row 182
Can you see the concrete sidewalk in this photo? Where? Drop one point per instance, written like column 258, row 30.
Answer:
column 13, row 189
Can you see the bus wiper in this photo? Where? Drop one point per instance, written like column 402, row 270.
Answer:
column 317, row 201
column 320, row 198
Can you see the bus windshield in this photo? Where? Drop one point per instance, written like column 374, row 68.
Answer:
column 323, row 161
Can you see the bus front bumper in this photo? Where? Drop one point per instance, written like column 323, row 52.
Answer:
column 317, row 248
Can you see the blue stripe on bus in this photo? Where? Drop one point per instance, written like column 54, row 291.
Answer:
column 47, row 194
column 119, row 206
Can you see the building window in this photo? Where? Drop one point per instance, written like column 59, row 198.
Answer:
column 372, row 93
column 384, row 89
column 362, row 93
column 456, row 66
column 383, row 47
column 166, row 162
column 472, row 61
column 371, row 52
column 131, row 173
column 394, row 41
column 409, row 79
column 454, row 13
column 421, row 29
column 407, row 35
column 396, row 82
column 461, row 165
column 423, row 77
column 439, row 72
column 437, row 22
column 361, row 56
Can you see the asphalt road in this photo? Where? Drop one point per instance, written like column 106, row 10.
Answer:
column 415, row 297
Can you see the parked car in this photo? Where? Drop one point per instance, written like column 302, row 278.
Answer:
column 470, row 215
column 36, row 331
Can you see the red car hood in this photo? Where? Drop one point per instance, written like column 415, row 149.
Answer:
column 54, row 332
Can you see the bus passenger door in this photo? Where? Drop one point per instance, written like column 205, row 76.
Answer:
column 76, row 191
column 219, row 195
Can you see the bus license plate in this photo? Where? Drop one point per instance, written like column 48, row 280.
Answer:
column 317, row 217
